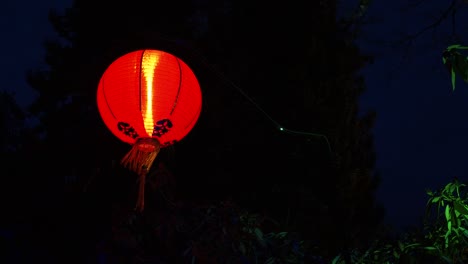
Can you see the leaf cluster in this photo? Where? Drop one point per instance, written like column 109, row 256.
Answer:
column 456, row 63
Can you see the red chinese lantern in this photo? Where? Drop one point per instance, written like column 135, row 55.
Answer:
column 149, row 99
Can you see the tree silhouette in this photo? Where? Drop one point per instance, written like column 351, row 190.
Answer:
column 302, row 70
column 288, row 65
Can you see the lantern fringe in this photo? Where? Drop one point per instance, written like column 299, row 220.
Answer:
column 139, row 160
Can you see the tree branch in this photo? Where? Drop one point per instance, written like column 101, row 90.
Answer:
column 444, row 16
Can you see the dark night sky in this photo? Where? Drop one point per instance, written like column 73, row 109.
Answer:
column 421, row 130
column 24, row 28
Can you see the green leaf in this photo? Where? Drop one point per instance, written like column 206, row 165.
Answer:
column 412, row 245
column 465, row 232
column 430, row 248
column 259, row 235
column 450, row 188
column 447, row 238
column 456, row 46
column 447, row 213
column 281, row 235
column 400, row 245
column 453, row 218
column 336, row 259
column 448, row 260
column 451, row 47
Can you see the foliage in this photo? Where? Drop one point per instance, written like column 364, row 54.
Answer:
column 234, row 236
column 225, row 233
column 221, row 233
column 449, row 237
column 456, row 63
column 444, row 238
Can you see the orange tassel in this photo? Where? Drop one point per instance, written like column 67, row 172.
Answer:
column 139, row 160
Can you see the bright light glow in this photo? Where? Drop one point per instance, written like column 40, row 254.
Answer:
column 148, row 66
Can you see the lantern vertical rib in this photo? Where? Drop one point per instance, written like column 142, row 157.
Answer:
column 179, row 86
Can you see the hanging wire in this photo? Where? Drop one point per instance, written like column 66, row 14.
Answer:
column 223, row 77
column 260, row 109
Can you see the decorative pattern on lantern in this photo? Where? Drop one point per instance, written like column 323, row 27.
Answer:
column 149, row 99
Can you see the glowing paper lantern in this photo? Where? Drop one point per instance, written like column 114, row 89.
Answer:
column 149, row 99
